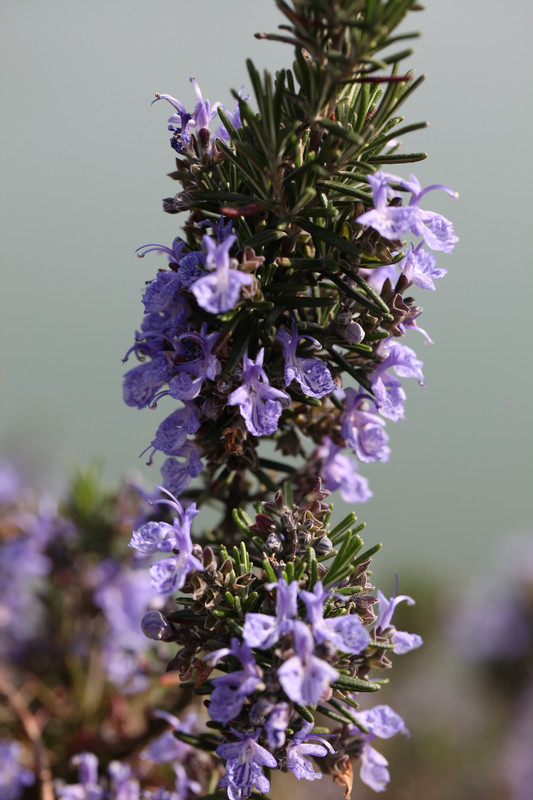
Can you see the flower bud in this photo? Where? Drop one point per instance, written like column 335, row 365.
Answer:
column 156, row 626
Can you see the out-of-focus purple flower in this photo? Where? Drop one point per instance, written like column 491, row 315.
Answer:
column 403, row 641
column 304, row 677
column 311, row 373
column 260, row 404
column 387, row 389
column 419, row 267
column 347, row 633
column 219, row 291
column 377, row 277
column 124, row 786
column 395, row 221
column 166, row 748
column 363, row 428
column 232, row 689
column 298, row 751
column 244, row 761
column 10, row 481
column 13, row 777
column 340, row 472
column 264, row 630
column 123, row 594
column 88, row 787
column 23, row 567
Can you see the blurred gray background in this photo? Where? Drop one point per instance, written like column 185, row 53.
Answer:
column 84, row 162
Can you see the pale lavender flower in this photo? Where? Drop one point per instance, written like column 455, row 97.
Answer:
column 311, row 373
column 403, row 642
column 232, row 689
column 220, row 290
column 381, row 722
column 387, row 389
column 88, row 787
column 170, row 574
column 10, row 481
column 244, row 761
column 339, row 472
column 166, row 748
column 123, row 594
column 277, row 724
column 395, row 221
column 260, row 404
column 346, row 632
column 392, row 222
column 363, row 428
column 264, row 630
column 304, row 677
column 124, row 786
column 160, row 536
column 419, row 267
column 298, row 751
column 13, row 777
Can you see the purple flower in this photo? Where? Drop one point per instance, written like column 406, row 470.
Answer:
column 141, row 383
column 311, row 373
column 347, row 633
column 174, row 253
column 88, row 787
column 13, row 777
column 170, row 574
column 395, row 221
column 298, row 750
column 176, row 475
column 162, row 294
column 363, row 429
column 392, row 222
column 264, row 630
column 123, row 594
column 123, row 785
column 304, row 677
column 172, row 432
column 232, row 689
column 277, row 724
column 259, row 403
column 419, row 267
column 244, row 761
column 160, row 536
column 403, row 641
column 382, row 722
column 340, row 472
column 387, row 389
column 219, row 291
column 167, row 748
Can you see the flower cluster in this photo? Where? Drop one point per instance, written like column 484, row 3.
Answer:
column 257, row 343
column 291, row 637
